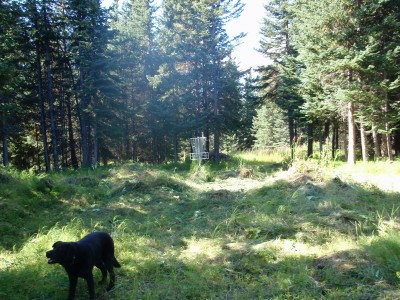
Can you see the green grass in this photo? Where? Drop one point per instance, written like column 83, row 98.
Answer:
column 249, row 228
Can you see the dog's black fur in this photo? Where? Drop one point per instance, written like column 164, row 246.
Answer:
column 79, row 258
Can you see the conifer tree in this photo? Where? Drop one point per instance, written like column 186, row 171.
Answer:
column 251, row 101
column 280, row 80
column 195, row 50
column 345, row 64
column 269, row 127
column 134, row 43
column 89, row 40
column 10, row 54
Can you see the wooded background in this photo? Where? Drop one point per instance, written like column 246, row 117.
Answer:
column 82, row 85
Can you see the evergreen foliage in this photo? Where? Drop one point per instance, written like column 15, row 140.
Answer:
column 269, row 126
column 280, row 80
column 340, row 58
column 82, row 85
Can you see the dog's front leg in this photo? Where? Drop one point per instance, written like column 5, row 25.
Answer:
column 112, row 279
column 90, row 283
column 72, row 286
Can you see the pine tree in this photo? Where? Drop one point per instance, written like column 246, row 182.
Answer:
column 379, row 25
column 251, row 100
column 197, row 83
column 280, row 80
column 269, row 127
column 89, row 39
column 325, row 47
column 345, row 64
column 134, row 43
column 10, row 55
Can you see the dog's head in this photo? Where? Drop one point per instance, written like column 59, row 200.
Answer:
column 62, row 253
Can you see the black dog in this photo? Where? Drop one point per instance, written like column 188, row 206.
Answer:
column 79, row 258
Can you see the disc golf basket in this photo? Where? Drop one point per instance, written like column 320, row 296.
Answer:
column 198, row 147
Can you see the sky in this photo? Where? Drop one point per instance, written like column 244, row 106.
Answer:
column 249, row 22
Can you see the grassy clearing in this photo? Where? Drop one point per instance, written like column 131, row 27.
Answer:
column 249, row 228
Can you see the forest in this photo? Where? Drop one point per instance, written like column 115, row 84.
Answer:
column 82, row 85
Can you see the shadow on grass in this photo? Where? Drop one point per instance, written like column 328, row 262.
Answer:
column 301, row 211
column 257, row 275
column 228, row 275
column 350, row 274
column 41, row 281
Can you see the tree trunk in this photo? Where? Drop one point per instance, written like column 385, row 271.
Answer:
column 71, row 139
column 95, row 146
column 388, row 136
column 292, row 137
column 389, row 147
column 135, row 151
column 127, row 140
column 216, row 145
column 207, row 135
column 175, row 148
column 320, row 140
column 375, row 138
column 326, row 132
column 62, row 135
column 5, row 143
column 216, row 120
column 53, row 127
column 351, row 150
column 42, row 107
column 310, row 139
column 335, row 138
column 37, row 130
column 85, row 124
column 85, row 139
column 384, row 145
column 154, row 150
column 387, row 125
column 364, row 142
column 396, row 138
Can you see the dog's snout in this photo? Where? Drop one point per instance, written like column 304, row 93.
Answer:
column 48, row 253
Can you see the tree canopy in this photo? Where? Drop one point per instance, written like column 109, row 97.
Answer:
column 82, row 85
column 345, row 67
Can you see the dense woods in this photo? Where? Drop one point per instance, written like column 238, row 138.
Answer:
column 82, row 85
column 335, row 73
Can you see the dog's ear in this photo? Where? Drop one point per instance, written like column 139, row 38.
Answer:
column 57, row 244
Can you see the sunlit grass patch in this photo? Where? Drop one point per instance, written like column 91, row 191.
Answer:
column 277, row 155
column 382, row 175
column 385, row 250
column 279, row 249
column 201, row 250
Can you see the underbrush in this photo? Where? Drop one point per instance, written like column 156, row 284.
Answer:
column 253, row 227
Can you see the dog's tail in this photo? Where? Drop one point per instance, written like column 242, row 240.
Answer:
column 116, row 263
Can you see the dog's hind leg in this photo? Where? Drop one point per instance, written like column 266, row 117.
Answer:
column 103, row 270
